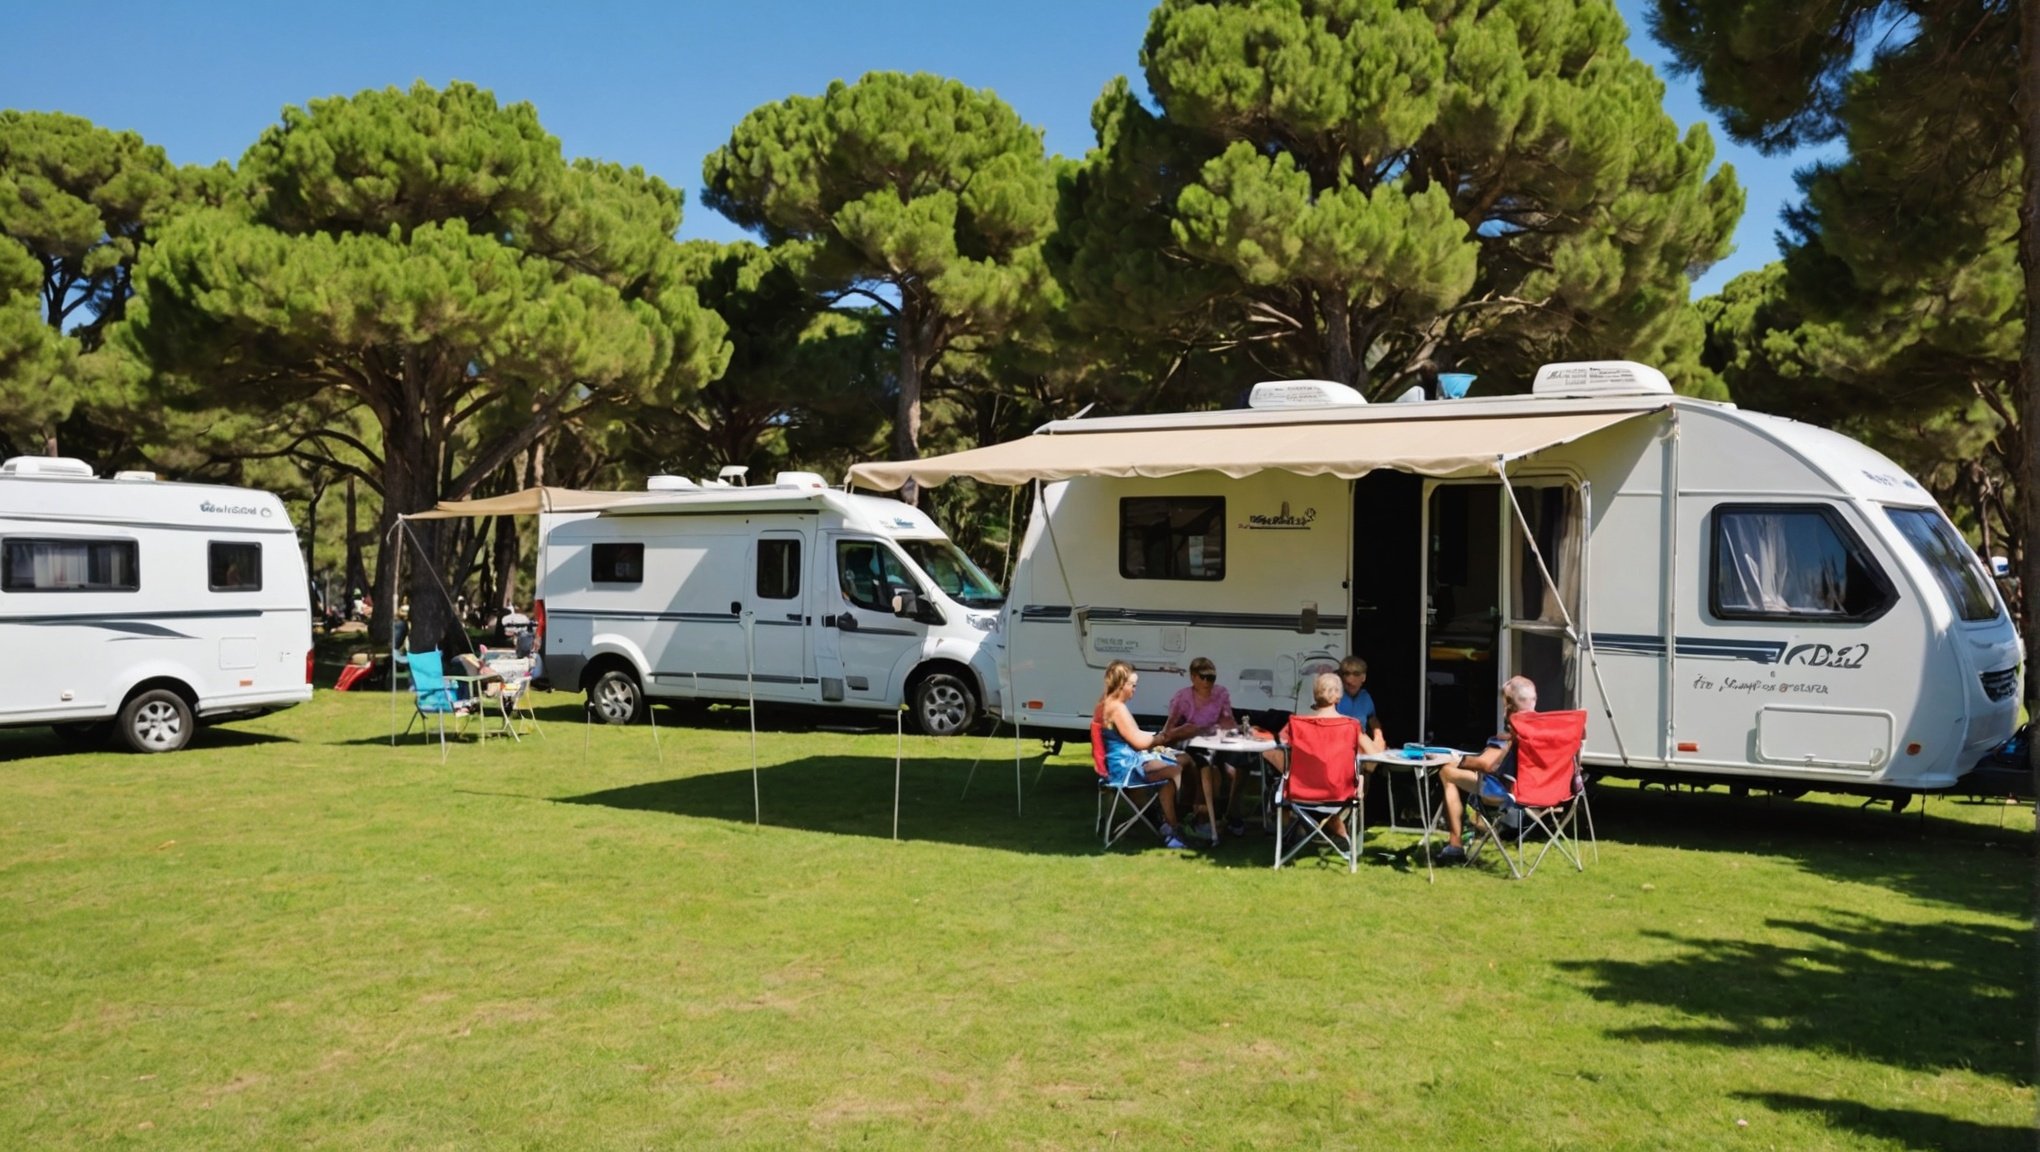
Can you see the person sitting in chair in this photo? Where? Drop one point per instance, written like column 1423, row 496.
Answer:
column 1495, row 766
column 1206, row 706
column 1357, row 702
column 1131, row 754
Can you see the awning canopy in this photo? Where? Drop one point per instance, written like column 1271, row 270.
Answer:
column 1437, row 446
column 530, row 502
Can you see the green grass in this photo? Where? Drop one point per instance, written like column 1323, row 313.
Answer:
column 293, row 935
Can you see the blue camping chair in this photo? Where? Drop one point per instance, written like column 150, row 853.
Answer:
column 433, row 697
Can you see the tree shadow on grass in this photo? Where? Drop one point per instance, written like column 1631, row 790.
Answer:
column 1930, row 857
column 42, row 743
column 1929, row 997
column 1923, row 1130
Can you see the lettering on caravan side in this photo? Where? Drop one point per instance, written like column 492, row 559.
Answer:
column 233, row 509
column 1827, row 656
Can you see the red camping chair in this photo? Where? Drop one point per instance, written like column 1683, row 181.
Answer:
column 1321, row 789
column 1140, row 795
column 1549, row 794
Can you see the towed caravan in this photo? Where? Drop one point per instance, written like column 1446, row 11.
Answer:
column 1731, row 596
column 793, row 592
column 145, row 608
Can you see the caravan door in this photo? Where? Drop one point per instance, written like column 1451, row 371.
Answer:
column 871, row 642
column 781, row 621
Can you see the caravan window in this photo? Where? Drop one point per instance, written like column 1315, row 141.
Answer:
column 1172, row 537
column 233, row 567
column 69, row 566
column 1955, row 567
column 778, row 569
column 618, row 563
column 1792, row 562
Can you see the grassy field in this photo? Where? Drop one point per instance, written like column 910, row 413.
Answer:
column 293, row 935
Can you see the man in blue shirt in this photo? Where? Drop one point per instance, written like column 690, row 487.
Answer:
column 1354, row 699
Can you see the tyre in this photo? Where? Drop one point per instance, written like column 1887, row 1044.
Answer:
column 944, row 705
column 616, row 697
column 84, row 734
column 156, row 721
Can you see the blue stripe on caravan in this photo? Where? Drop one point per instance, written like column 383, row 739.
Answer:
column 1704, row 647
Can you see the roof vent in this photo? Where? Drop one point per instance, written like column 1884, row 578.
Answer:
column 668, row 484
column 137, row 477
column 1600, row 378
column 46, row 466
column 1302, row 394
column 808, row 481
column 733, row 474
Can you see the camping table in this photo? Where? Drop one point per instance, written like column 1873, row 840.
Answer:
column 1252, row 744
column 1422, row 767
column 480, row 699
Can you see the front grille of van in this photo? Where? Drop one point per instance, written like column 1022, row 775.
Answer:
column 2000, row 684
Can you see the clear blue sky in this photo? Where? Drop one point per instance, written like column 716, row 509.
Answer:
column 655, row 85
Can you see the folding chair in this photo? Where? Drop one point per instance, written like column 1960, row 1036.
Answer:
column 433, row 698
column 1322, row 788
column 1140, row 795
column 1548, row 796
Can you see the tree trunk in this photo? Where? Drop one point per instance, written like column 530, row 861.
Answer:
column 914, row 356
column 1335, row 320
column 2028, row 398
column 357, row 572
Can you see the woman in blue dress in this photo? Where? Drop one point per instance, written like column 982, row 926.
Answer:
column 1137, row 756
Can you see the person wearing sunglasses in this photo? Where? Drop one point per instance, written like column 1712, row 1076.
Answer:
column 1206, row 706
column 1356, row 701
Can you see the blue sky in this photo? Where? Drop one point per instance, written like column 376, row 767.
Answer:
column 656, row 85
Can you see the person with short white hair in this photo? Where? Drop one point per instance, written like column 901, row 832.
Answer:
column 1493, row 767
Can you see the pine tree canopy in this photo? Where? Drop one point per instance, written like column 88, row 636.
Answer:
column 1360, row 189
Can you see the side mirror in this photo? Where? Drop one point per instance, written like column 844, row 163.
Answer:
column 906, row 605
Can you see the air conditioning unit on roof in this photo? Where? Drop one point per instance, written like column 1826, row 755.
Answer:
column 1600, row 378
column 46, row 466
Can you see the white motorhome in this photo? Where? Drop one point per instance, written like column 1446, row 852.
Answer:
column 1731, row 596
column 141, row 607
column 793, row 591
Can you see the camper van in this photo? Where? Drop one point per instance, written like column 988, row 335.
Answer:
column 1730, row 596
column 791, row 592
column 142, row 608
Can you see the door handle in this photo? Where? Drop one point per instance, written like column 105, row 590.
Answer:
column 736, row 607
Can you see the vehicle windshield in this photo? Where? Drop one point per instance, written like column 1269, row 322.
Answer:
column 953, row 573
column 1953, row 563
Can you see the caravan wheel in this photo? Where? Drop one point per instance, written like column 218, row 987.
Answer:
column 616, row 698
column 944, row 705
column 156, row 721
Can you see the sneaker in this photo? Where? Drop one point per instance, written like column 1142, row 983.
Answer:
column 1173, row 841
column 1201, row 831
column 1450, row 854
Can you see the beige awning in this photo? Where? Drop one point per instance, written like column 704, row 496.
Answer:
column 1440, row 446
column 530, row 502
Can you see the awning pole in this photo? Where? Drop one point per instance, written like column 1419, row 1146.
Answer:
column 1585, row 642
column 396, row 604
column 751, row 689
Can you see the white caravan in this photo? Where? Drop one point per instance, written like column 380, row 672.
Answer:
column 792, row 591
column 1730, row 596
column 144, row 607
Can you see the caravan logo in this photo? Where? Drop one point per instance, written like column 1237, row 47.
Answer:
column 1281, row 521
column 233, row 509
